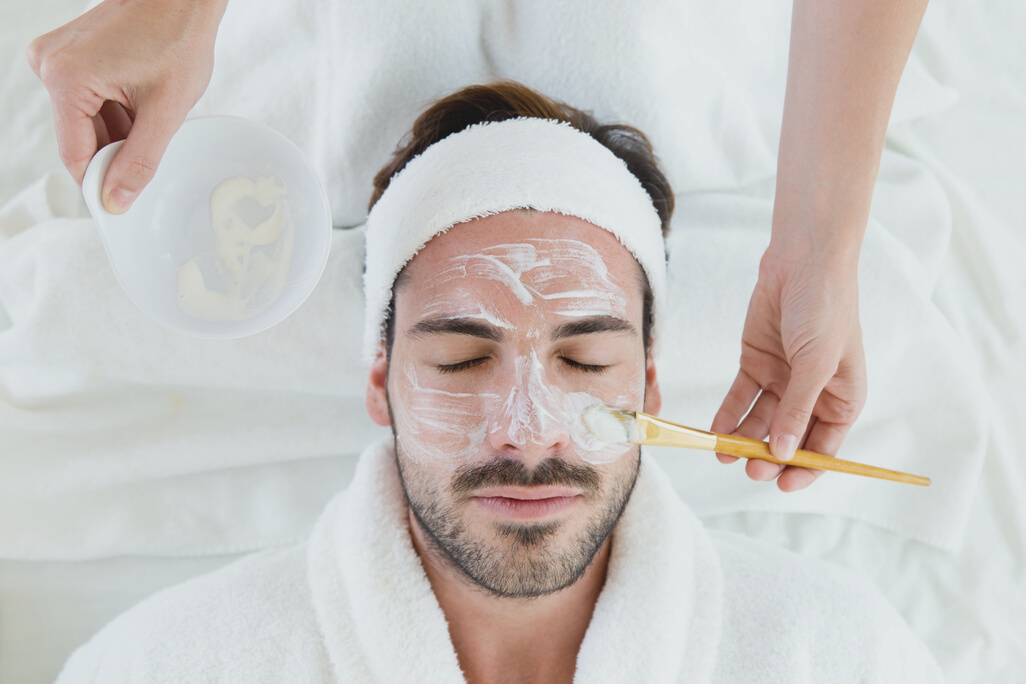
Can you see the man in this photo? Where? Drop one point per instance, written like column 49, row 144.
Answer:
column 515, row 272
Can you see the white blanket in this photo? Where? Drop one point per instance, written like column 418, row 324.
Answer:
column 703, row 79
column 231, row 445
column 354, row 605
column 235, row 445
column 964, row 604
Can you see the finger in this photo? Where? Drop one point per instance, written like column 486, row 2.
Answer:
column 825, row 435
column 76, row 138
column 791, row 419
column 760, row 470
column 764, row 470
column 100, row 128
column 808, row 428
column 842, row 400
column 116, row 119
column 756, row 424
column 823, row 438
column 34, row 53
column 835, row 413
column 740, row 396
column 794, row 479
column 136, row 162
column 735, row 405
column 753, row 423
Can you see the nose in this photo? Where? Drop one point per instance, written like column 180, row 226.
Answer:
column 531, row 422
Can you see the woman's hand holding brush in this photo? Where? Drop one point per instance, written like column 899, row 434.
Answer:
column 802, row 364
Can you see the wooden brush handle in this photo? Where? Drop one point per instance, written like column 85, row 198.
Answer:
column 756, row 448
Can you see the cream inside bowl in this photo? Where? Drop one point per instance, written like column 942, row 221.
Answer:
column 230, row 236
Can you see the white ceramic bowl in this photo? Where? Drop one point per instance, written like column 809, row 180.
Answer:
column 169, row 223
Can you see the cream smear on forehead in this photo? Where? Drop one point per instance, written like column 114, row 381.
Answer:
column 566, row 277
column 558, row 276
column 461, row 304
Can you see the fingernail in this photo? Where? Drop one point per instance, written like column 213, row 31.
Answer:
column 786, row 444
column 119, row 200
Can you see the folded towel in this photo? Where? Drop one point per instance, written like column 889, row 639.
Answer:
column 353, row 604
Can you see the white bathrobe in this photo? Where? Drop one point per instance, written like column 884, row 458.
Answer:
column 353, row 604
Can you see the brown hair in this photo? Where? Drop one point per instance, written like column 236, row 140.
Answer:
column 504, row 100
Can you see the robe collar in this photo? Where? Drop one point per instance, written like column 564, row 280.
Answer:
column 657, row 618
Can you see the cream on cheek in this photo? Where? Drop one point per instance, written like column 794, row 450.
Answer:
column 438, row 426
column 445, row 427
column 522, row 407
column 539, row 412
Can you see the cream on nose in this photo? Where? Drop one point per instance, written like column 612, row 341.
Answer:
column 531, row 417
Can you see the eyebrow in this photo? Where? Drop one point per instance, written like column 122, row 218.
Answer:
column 456, row 326
column 592, row 325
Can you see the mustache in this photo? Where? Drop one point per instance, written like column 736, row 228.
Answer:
column 508, row 472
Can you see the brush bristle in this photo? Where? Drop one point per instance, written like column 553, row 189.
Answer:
column 608, row 424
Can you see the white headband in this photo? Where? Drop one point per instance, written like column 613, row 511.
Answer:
column 498, row 166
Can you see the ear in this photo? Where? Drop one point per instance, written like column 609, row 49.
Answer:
column 653, row 397
column 377, row 401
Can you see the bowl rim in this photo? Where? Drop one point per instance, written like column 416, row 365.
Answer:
column 324, row 215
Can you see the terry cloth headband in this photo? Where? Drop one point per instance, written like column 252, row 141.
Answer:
column 498, row 166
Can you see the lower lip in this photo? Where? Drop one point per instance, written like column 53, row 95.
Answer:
column 526, row 509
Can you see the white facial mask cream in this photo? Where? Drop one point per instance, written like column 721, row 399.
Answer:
column 449, row 427
column 567, row 277
column 560, row 277
column 240, row 278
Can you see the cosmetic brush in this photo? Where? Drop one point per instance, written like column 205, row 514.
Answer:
column 615, row 425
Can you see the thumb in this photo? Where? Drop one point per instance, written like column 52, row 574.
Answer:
column 136, row 162
column 792, row 416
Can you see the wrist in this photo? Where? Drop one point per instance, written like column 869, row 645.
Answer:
column 793, row 248
column 825, row 230
column 821, row 205
column 205, row 11
column 841, row 257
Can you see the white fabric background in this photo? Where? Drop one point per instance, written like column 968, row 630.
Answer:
column 147, row 443
column 137, row 417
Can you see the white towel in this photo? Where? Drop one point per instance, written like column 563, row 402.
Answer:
column 344, row 80
column 493, row 167
column 354, row 605
column 234, row 445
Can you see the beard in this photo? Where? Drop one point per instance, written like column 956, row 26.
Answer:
column 524, row 560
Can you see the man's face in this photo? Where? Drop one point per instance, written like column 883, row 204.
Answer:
column 506, row 328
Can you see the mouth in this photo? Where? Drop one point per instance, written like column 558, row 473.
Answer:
column 523, row 503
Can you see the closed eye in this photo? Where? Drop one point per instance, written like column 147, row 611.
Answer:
column 461, row 366
column 583, row 367
column 471, row 363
